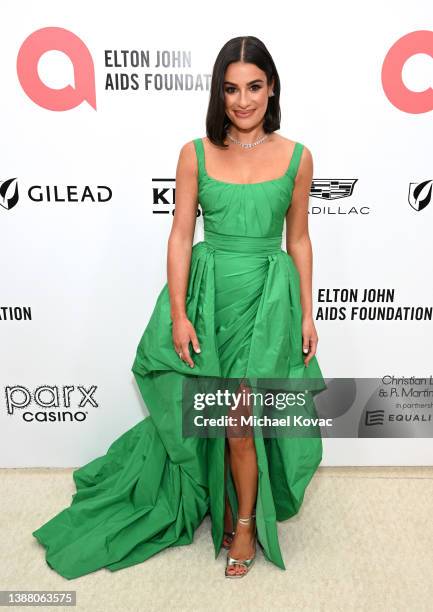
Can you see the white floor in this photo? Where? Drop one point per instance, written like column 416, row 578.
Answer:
column 363, row 540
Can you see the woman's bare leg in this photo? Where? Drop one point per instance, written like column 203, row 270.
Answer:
column 228, row 516
column 243, row 463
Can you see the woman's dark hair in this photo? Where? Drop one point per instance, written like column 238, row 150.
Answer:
column 240, row 49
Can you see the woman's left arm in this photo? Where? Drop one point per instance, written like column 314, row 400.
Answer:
column 298, row 245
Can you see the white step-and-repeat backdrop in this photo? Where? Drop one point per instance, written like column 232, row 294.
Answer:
column 97, row 100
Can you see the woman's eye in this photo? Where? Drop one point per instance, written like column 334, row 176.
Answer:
column 253, row 87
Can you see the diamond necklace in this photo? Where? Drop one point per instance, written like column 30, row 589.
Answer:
column 247, row 145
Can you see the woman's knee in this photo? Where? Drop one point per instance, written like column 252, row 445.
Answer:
column 241, row 445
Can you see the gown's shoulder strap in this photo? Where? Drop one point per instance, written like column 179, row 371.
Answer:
column 199, row 149
column 292, row 170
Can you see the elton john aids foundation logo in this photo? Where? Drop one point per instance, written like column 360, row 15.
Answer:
column 403, row 98
column 65, row 98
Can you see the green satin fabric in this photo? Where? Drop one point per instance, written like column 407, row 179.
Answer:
column 152, row 488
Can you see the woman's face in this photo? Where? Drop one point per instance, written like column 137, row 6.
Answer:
column 246, row 94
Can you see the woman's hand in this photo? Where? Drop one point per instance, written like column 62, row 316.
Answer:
column 183, row 333
column 309, row 339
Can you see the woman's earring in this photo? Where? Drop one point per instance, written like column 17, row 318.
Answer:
column 272, row 94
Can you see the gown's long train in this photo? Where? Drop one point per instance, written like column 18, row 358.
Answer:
column 153, row 487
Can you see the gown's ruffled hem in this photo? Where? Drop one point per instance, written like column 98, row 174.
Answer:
column 153, row 487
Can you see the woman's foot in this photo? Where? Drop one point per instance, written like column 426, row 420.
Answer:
column 243, row 547
column 228, row 526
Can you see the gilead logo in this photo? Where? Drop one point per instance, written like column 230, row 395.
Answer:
column 395, row 90
column 56, row 39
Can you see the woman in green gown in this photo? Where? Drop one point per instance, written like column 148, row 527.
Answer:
column 236, row 307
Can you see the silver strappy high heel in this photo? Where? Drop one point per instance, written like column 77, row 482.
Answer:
column 246, row 563
column 229, row 535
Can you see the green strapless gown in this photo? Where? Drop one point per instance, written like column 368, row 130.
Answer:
column 152, row 488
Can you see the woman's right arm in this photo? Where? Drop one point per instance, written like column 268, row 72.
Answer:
column 179, row 251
